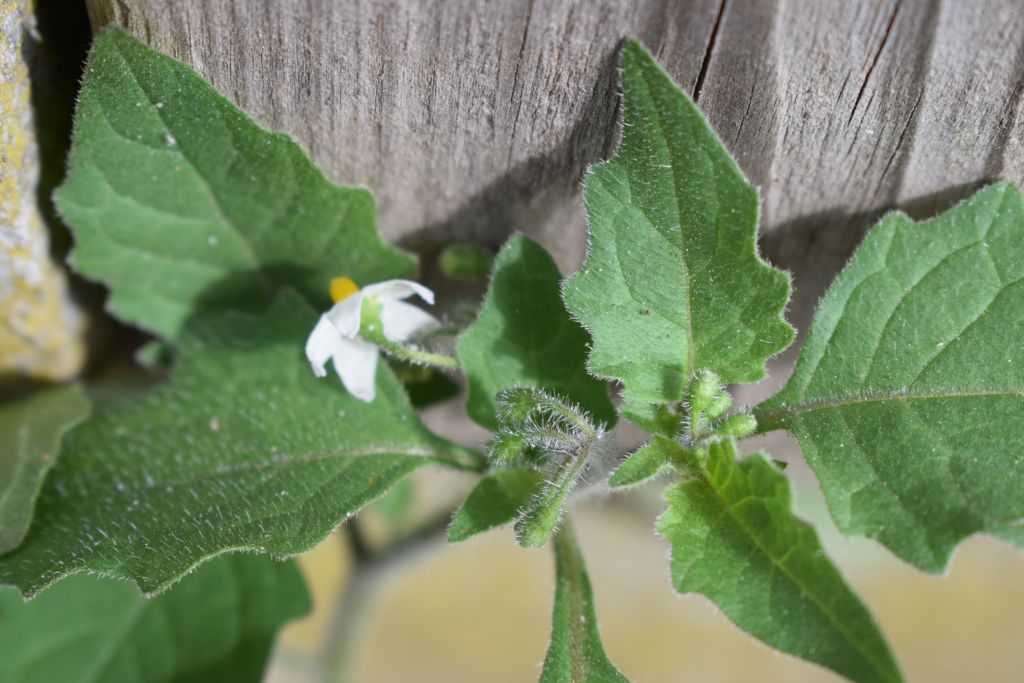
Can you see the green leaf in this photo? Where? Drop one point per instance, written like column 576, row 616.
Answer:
column 654, row 418
column 524, row 337
column 908, row 397
column 575, row 654
column 735, row 540
column 216, row 625
column 647, row 462
column 243, row 448
column 495, row 500
column 673, row 282
column 178, row 200
column 30, row 434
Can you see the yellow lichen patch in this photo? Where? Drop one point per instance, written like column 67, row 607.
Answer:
column 40, row 328
column 342, row 288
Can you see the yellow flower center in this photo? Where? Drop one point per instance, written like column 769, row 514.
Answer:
column 342, row 288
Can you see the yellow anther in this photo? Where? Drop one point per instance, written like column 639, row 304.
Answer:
column 342, row 288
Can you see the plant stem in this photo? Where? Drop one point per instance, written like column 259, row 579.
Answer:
column 346, row 627
column 417, row 356
column 372, row 330
column 368, row 568
column 356, row 540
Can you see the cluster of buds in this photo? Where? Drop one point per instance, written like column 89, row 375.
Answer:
column 683, row 444
column 709, row 402
column 541, row 432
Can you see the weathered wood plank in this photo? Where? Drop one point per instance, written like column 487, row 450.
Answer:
column 469, row 119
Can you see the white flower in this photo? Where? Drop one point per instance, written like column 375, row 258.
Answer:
column 336, row 335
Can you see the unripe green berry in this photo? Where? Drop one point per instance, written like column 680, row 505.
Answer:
column 465, row 262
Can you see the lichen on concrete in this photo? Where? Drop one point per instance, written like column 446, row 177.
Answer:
column 40, row 328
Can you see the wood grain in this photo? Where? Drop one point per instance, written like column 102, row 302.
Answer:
column 471, row 119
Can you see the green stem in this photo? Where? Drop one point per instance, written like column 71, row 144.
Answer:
column 571, row 587
column 372, row 330
column 418, row 356
column 466, row 460
column 547, row 507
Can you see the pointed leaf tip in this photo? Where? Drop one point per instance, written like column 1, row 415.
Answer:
column 673, row 282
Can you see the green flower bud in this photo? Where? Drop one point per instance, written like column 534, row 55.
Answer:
column 738, row 426
column 705, row 392
column 515, row 404
column 505, row 446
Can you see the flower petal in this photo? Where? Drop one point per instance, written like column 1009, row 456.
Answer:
column 403, row 321
column 321, row 345
column 345, row 315
column 355, row 361
column 398, row 289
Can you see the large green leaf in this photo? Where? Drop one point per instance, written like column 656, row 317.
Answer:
column 575, row 654
column 908, row 398
column 217, row 625
column 243, row 448
column 735, row 540
column 30, row 434
column 672, row 282
column 177, row 199
column 524, row 337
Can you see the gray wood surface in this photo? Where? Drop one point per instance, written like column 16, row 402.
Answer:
column 471, row 119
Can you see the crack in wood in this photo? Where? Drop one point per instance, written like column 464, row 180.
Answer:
column 515, row 81
column 899, row 142
column 712, row 42
column 874, row 61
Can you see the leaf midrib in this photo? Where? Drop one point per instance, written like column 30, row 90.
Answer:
column 690, row 352
column 728, row 510
column 576, row 615
column 439, row 456
column 20, row 466
column 780, row 414
column 215, row 201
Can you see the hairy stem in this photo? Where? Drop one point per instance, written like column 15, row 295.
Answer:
column 413, row 355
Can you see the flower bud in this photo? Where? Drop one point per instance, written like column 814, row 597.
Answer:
column 738, row 426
